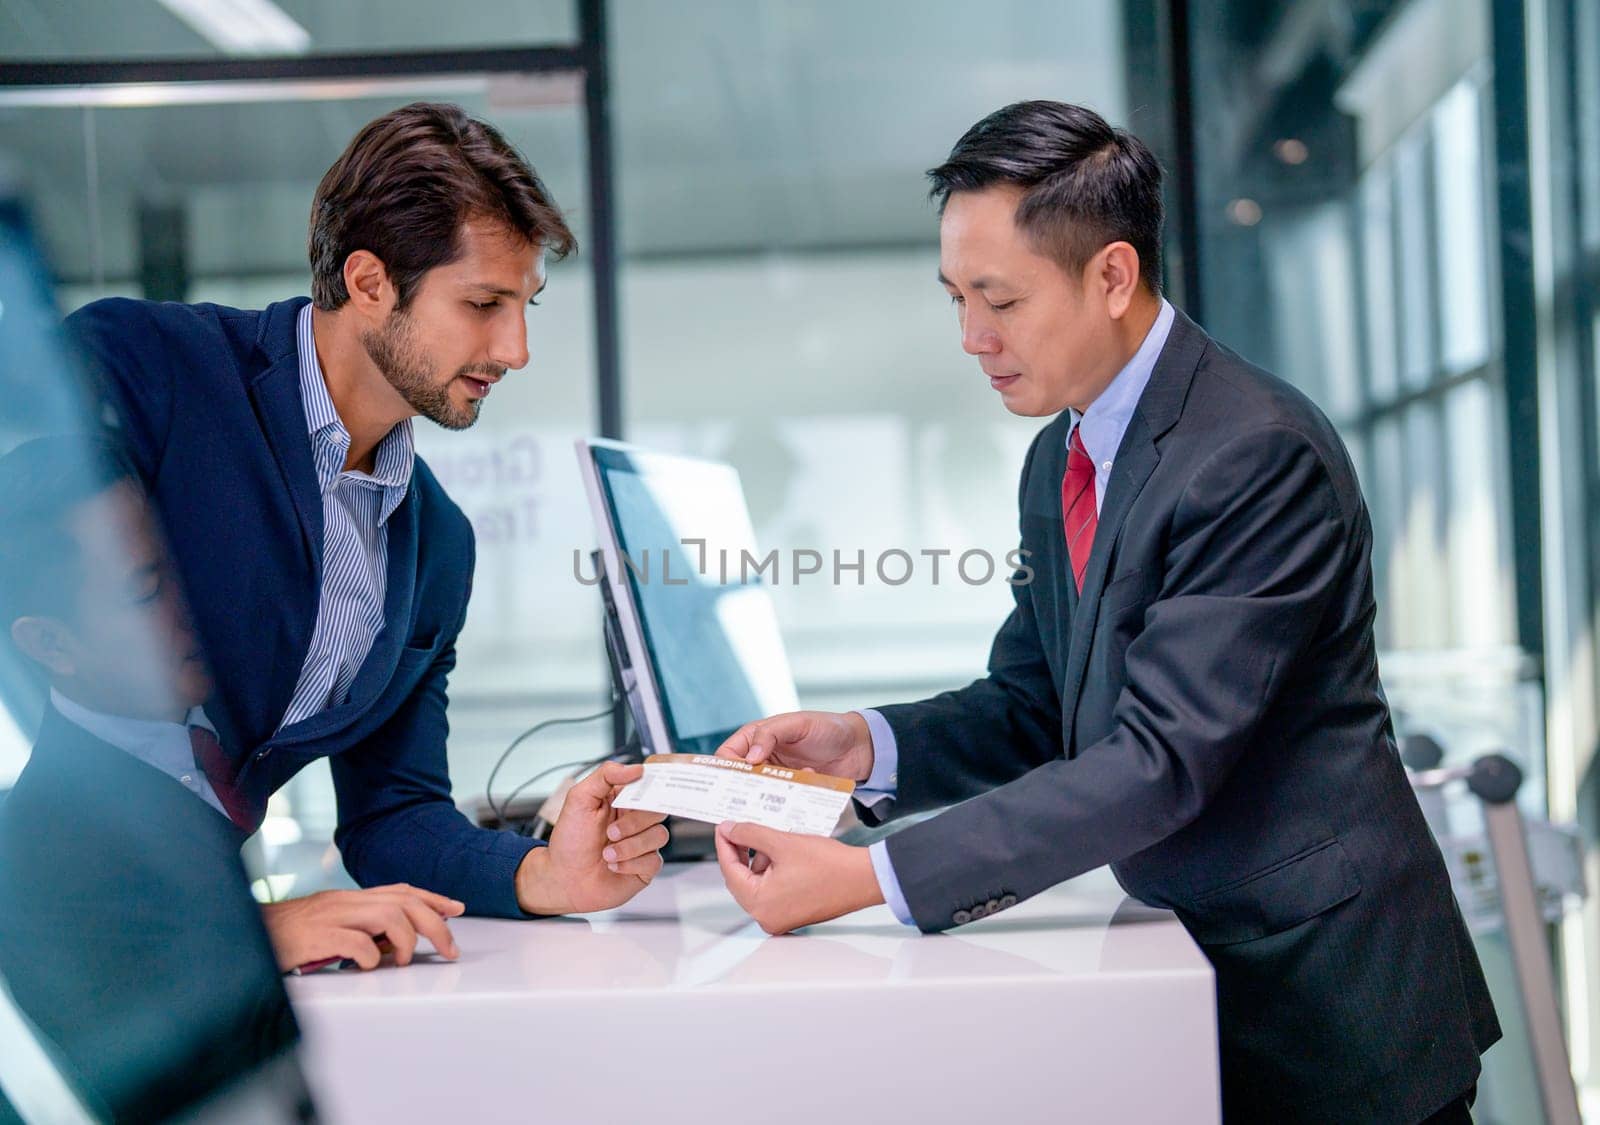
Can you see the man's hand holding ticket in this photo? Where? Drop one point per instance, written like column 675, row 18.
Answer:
column 777, row 859
column 717, row 789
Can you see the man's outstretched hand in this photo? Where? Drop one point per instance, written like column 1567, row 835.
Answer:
column 599, row 857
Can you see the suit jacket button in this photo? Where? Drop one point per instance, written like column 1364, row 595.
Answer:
column 992, row 906
column 1008, row 901
column 979, row 911
column 961, row 917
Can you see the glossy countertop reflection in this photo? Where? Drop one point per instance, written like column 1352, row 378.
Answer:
column 684, row 934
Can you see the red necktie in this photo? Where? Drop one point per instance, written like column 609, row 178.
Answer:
column 219, row 772
column 1077, row 507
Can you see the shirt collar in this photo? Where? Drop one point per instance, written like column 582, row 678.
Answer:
column 1103, row 424
column 132, row 736
column 391, row 468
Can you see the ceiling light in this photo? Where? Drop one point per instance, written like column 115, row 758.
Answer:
column 1245, row 212
column 1291, row 150
column 243, row 27
column 141, row 95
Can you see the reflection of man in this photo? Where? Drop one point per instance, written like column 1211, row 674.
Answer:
column 120, row 880
column 1187, row 691
column 88, row 595
column 327, row 570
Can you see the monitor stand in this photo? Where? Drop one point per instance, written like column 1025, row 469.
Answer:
column 630, row 723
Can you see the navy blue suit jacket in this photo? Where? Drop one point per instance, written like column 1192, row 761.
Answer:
column 209, row 405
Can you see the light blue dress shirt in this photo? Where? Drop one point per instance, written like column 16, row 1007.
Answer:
column 355, row 540
column 164, row 745
column 1101, row 428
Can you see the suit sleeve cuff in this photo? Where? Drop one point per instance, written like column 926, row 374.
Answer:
column 888, row 883
column 884, row 780
column 494, row 894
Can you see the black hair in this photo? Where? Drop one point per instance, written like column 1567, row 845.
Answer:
column 1085, row 184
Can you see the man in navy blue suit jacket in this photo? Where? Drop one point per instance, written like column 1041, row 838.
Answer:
column 327, row 570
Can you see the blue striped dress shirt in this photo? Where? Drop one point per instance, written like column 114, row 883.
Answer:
column 355, row 541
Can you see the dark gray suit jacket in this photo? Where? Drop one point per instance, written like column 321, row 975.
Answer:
column 128, row 934
column 1207, row 718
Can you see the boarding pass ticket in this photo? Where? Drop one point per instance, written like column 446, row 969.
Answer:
column 701, row 787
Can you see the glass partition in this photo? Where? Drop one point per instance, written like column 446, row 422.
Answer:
column 136, row 978
column 781, row 309
column 205, row 196
column 86, row 30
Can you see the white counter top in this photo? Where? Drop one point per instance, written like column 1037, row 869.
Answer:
column 1076, row 1005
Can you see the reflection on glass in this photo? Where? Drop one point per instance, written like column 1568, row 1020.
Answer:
column 89, row 29
column 1388, row 497
column 89, row 595
column 229, row 226
column 1423, row 613
column 132, row 955
column 1415, row 308
column 1310, row 271
column 1475, row 551
column 1375, row 200
column 1458, row 172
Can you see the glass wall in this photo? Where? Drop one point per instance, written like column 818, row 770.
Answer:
column 1360, row 227
column 136, row 979
column 1346, row 180
column 1365, row 175
column 781, row 309
column 777, row 286
column 1563, row 52
column 205, row 196
column 90, row 30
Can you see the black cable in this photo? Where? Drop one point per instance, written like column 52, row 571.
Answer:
column 576, row 767
column 628, row 754
column 488, row 789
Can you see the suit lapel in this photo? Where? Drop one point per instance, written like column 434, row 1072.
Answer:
column 1159, row 409
column 1136, row 460
column 275, row 393
column 1056, row 597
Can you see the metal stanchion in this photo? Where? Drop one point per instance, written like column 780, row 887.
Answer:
column 1494, row 780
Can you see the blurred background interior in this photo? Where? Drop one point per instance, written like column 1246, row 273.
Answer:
column 1395, row 205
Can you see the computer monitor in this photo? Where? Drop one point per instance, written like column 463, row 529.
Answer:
column 690, row 621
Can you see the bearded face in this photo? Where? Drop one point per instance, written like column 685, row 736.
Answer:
column 398, row 352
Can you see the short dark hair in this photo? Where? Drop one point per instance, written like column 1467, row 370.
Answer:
column 1085, row 184
column 405, row 185
column 42, row 481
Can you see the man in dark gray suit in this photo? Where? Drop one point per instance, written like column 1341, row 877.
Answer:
column 1187, row 689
